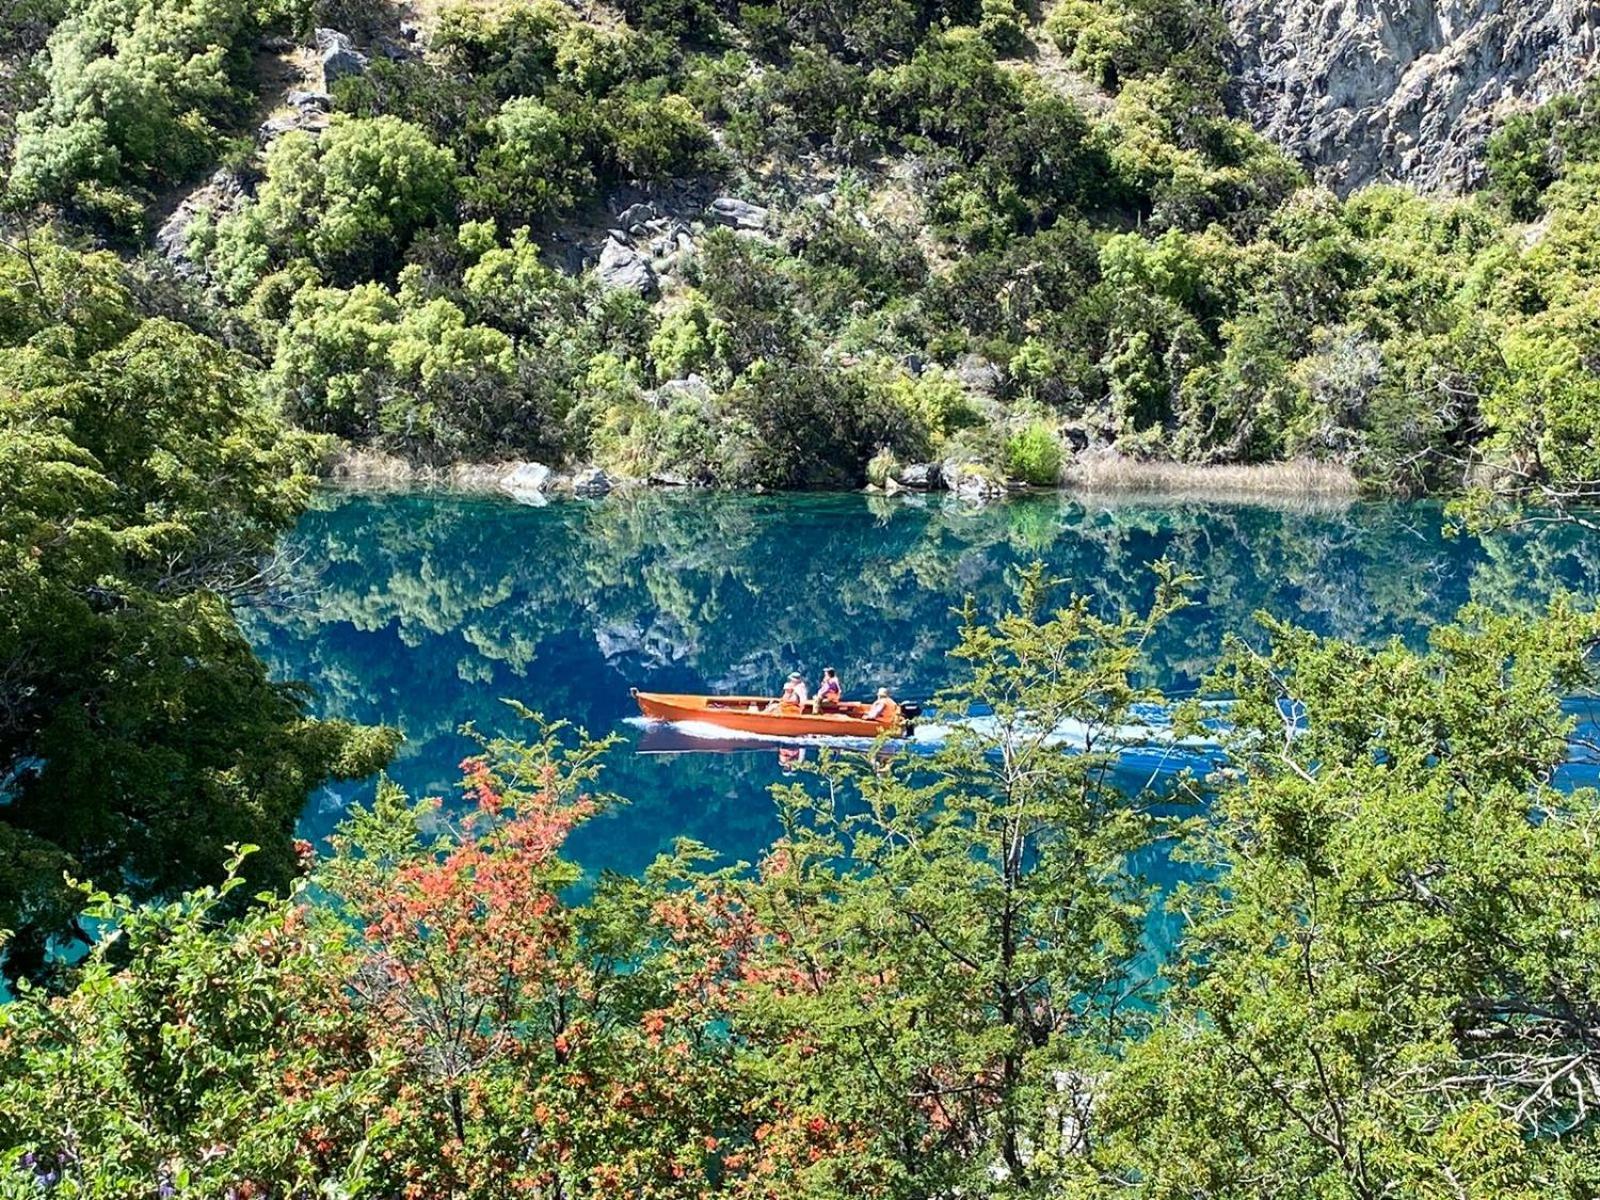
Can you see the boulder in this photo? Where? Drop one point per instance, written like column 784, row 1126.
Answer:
column 919, row 477
column 622, row 268
column 739, row 214
column 591, row 482
column 274, row 128
column 314, row 101
column 971, row 481
column 527, row 482
column 339, row 56
column 638, row 214
column 978, row 374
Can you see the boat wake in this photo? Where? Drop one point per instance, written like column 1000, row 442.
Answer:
column 1148, row 742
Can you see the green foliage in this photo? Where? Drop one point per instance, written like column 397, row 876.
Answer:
column 653, row 138
column 532, row 169
column 844, row 418
column 1033, row 455
column 1375, row 992
column 1115, row 41
column 138, row 96
column 143, row 479
column 935, row 982
column 400, row 368
column 349, row 201
column 1533, row 150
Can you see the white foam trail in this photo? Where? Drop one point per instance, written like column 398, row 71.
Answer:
column 707, row 731
column 1156, row 730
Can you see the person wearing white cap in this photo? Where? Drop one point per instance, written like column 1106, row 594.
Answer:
column 794, row 695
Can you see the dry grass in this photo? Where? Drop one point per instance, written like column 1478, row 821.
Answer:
column 1299, row 481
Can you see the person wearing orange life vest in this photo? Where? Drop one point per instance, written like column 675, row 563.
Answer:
column 829, row 692
column 884, row 710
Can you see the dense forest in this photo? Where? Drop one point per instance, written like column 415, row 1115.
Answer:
column 802, row 244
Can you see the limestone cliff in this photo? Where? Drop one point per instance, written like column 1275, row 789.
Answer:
column 1408, row 90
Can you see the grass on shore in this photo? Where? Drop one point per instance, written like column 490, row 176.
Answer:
column 1298, row 479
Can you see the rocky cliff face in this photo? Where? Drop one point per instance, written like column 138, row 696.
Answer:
column 1407, row 90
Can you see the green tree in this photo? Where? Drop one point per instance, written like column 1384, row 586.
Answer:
column 952, row 955
column 143, row 482
column 138, row 96
column 1385, row 986
column 350, row 201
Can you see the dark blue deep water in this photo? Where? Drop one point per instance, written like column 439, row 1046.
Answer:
column 423, row 610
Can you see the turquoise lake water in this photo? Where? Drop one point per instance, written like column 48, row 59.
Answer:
column 423, row 610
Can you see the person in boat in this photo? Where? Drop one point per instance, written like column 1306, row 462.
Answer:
column 794, row 695
column 829, row 692
column 884, row 710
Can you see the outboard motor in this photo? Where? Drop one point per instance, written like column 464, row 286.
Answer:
column 909, row 712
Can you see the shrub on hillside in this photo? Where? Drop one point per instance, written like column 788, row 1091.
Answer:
column 1033, row 455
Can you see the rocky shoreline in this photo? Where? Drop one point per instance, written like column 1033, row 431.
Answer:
column 536, row 483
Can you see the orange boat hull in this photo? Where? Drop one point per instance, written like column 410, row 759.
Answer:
column 749, row 714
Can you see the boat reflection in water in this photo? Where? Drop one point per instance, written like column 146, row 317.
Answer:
column 687, row 737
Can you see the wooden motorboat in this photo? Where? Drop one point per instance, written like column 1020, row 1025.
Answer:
column 767, row 716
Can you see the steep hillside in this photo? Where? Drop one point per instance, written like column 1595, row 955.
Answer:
column 1402, row 90
column 813, row 243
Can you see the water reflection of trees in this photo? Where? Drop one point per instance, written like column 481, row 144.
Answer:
column 423, row 610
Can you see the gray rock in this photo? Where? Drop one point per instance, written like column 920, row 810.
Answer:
column 685, row 242
column 527, row 482
column 919, row 477
column 623, row 268
column 339, row 56
column 970, row 481
column 275, row 127
column 1076, row 437
column 591, row 482
column 978, row 374
column 739, row 214
column 638, row 214
column 316, row 101
column 1405, row 90
column 222, row 193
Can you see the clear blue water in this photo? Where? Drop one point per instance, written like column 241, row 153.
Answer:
column 423, row 610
